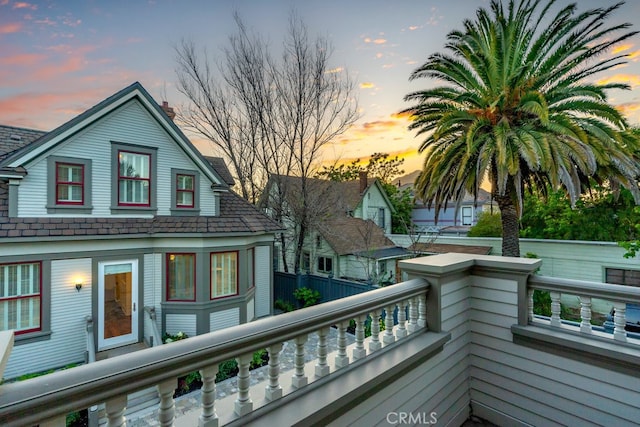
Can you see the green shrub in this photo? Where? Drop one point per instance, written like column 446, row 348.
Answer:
column 284, row 306
column 307, row 296
column 488, row 225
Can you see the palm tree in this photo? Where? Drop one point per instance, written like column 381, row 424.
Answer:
column 517, row 107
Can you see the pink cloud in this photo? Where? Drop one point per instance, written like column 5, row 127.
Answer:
column 12, row 27
column 22, row 60
column 24, row 5
column 47, row 110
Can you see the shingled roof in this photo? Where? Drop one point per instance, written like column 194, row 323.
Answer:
column 237, row 216
column 349, row 235
column 14, row 138
column 219, row 165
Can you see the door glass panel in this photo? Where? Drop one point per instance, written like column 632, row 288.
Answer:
column 117, row 300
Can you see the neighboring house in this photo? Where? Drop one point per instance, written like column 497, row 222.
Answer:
column 347, row 238
column 114, row 212
column 453, row 219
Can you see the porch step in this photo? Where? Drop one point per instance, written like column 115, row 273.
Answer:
column 119, row 351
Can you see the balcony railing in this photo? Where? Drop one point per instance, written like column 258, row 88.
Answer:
column 485, row 353
column 47, row 399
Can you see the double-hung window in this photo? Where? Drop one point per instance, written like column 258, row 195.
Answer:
column 181, row 277
column 185, row 191
column 224, row 274
column 134, row 179
column 185, row 194
column 20, row 297
column 69, row 184
column 325, row 264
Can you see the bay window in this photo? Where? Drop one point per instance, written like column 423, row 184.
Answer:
column 224, row 274
column 20, row 297
column 181, row 277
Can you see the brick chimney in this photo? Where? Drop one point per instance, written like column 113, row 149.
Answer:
column 168, row 110
column 363, row 181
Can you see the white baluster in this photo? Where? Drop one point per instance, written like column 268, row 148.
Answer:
column 422, row 312
column 115, row 408
column 401, row 332
column 359, row 351
column 530, row 305
column 585, row 314
column 619, row 320
column 388, row 336
column 299, row 378
column 555, row 308
column 243, row 403
column 375, row 343
column 322, row 367
column 342, row 359
column 208, row 416
column 273, row 390
column 412, row 326
column 167, row 412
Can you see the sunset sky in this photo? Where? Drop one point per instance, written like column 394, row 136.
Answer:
column 58, row 58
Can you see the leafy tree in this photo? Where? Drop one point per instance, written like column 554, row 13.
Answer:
column 379, row 165
column 488, row 225
column 385, row 169
column 601, row 215
column 518, row 108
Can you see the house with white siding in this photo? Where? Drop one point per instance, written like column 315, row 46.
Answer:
column 114, row 229
column 346, row 237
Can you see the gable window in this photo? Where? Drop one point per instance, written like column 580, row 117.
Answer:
column 325, row 264
column 224, row 274
column 134, row 178
column 185, row 192
column 381, row 218
column 181, row 277
column 68, row 185
column 134, row 175
column 20, row 297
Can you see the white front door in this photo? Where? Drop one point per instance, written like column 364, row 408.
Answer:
column 117, row 303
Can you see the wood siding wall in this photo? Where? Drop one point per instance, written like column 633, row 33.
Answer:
column 533, row 386
column 130, row 124
column 439, row 386
column 152, row 292
column 224, row 319
column 560, row 258
column 263, row 279
column 181, row 323
column 68, row 342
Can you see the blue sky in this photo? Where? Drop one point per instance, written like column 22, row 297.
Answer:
column 58, row 58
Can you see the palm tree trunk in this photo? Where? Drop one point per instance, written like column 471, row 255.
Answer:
column 510, row 225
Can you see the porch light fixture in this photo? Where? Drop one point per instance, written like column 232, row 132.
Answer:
column 78, row 285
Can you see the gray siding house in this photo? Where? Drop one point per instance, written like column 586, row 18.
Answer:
column 113, row 217
column 347, row 233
